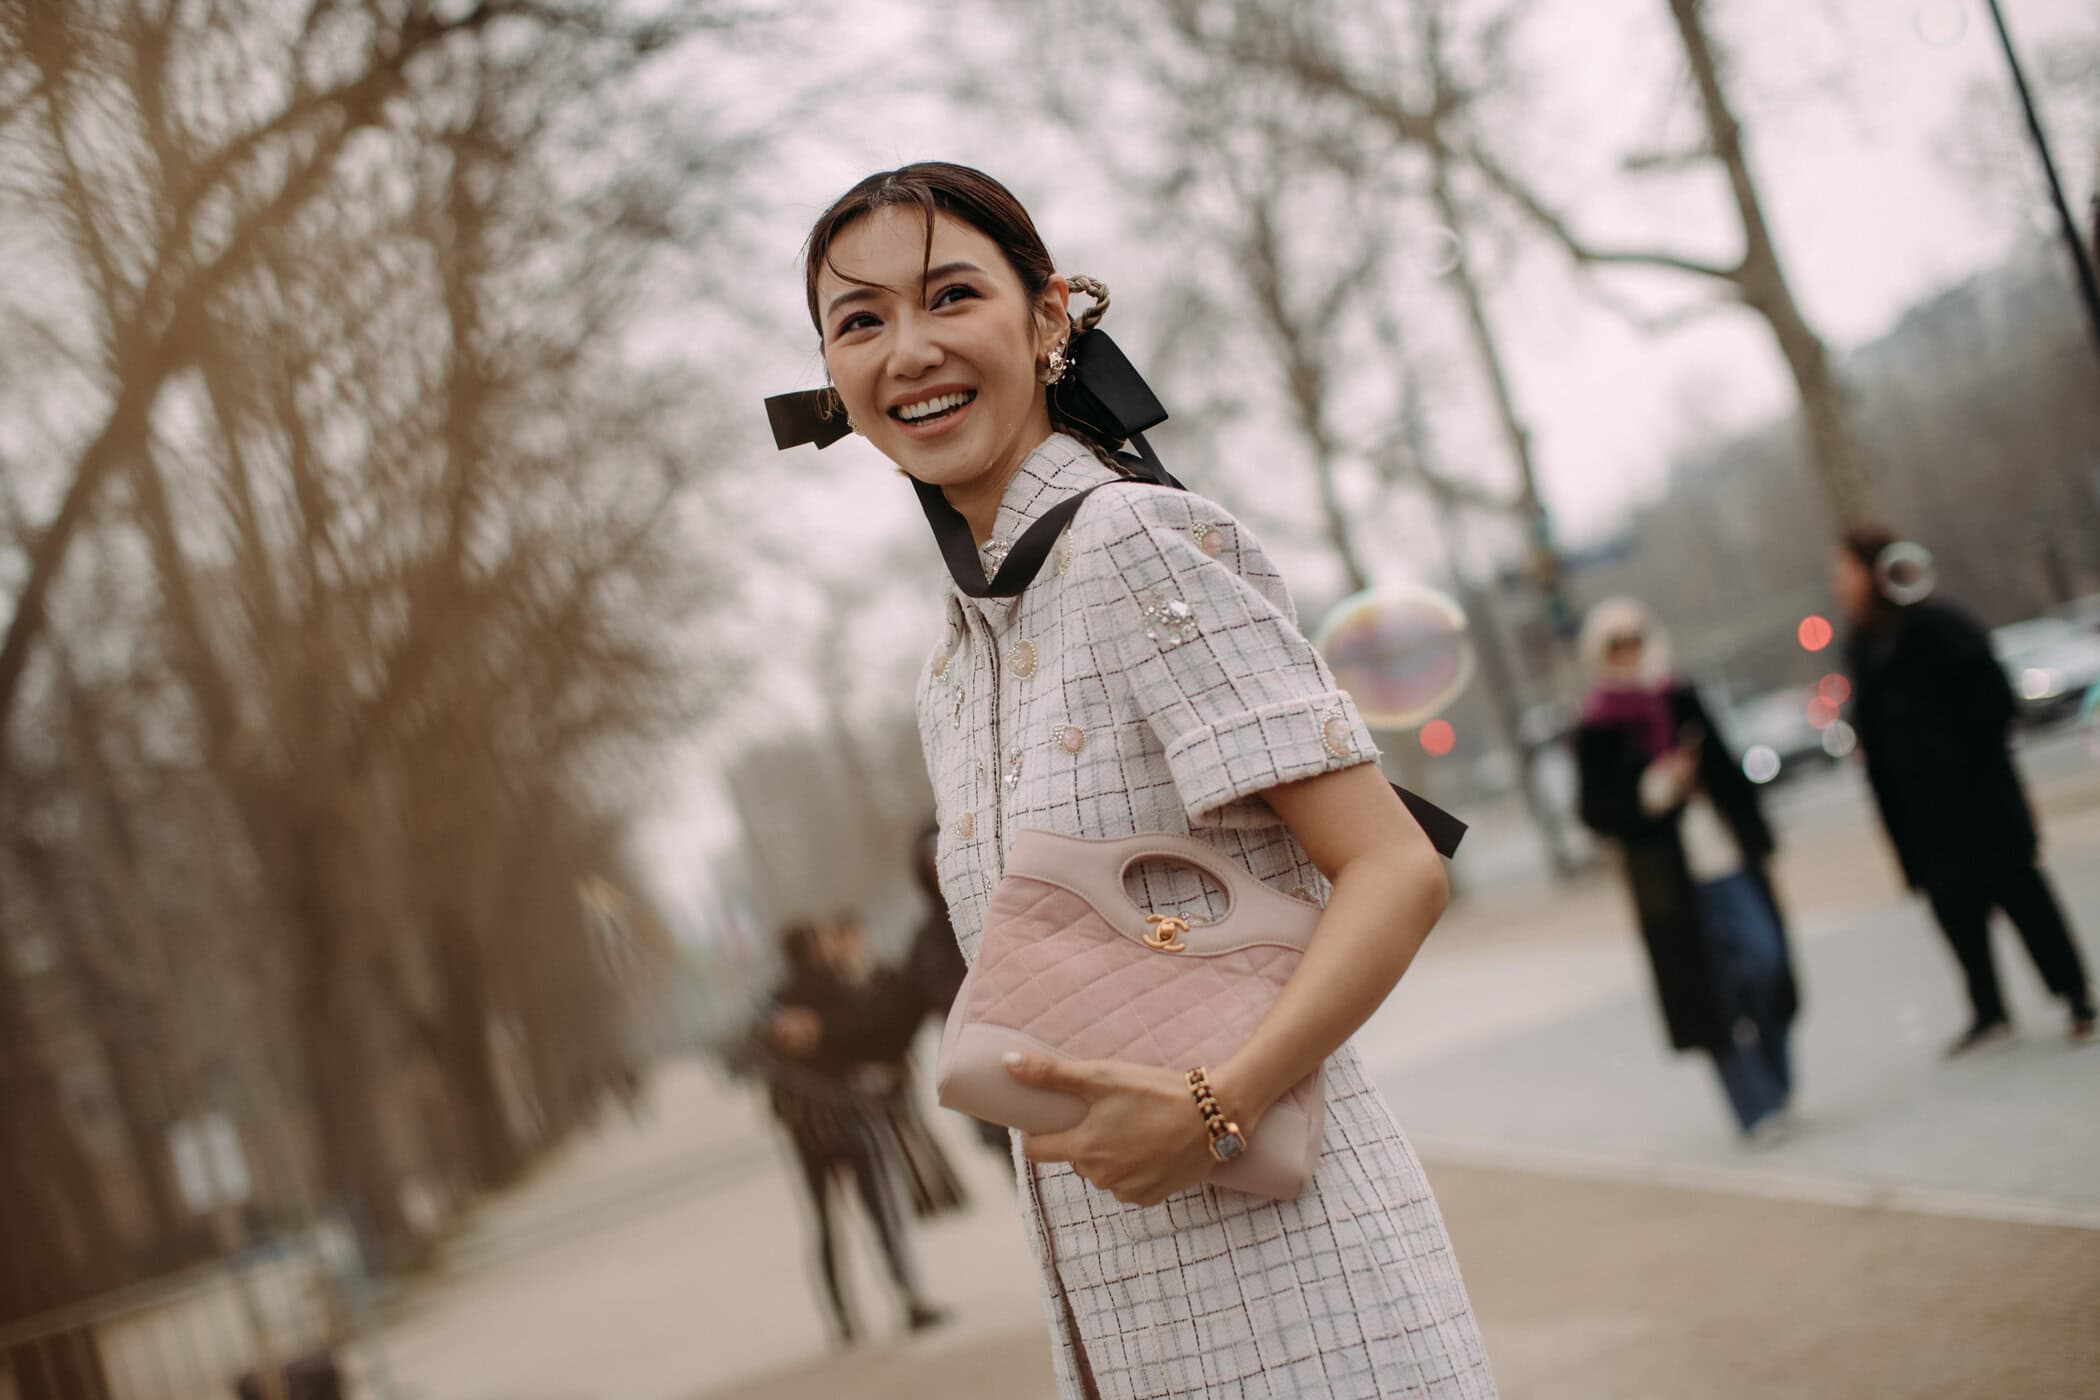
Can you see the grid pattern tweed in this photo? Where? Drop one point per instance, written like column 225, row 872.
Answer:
column 1153, row 678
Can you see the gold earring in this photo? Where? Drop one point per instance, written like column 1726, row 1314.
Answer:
column 1055, row 366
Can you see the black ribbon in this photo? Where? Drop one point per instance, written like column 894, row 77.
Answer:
column 807, row 415
column 1101, row 393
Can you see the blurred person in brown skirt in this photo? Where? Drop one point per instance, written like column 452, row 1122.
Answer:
column 1934, row 715
column 835, row 1062
column 1660, row 783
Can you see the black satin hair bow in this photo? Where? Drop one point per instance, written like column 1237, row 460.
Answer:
column 1102, row 393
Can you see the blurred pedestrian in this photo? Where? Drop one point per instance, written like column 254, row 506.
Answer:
column 1152, row 681
column 876, row 1025
column 1659, row 781
column 1934, row 715
column 838, row 1123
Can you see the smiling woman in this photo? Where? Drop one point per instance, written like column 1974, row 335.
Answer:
column 1148, row 678
column 932, row 336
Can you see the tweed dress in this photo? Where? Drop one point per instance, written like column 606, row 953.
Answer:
column 1153, row 678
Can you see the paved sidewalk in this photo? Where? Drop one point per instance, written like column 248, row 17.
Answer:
column 1527, row 1036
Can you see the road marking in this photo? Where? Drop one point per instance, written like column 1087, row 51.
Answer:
column 1770, row 1185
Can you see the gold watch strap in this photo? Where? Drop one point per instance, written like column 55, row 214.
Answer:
column 1214, row 1120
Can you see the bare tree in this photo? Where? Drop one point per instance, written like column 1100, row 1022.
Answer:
column 356, row 508
column 1318, row 46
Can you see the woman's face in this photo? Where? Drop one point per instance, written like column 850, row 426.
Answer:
column 1624, row 651
column 937, row 357
column 1853, row 583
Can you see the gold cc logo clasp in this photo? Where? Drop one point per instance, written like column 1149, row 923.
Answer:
column 1166, row 932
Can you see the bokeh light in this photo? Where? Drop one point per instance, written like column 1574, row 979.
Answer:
column 1834, row 688
column 1822, row 712
column 1761, row 763
column 1815, row 632
column 1439, row 738
column 1402, row 652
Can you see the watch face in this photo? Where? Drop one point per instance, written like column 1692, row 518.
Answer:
column 1227, row 1146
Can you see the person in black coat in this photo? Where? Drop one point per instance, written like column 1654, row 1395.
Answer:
column 1934, row 715
column 833, row 1051
column 1659, row 782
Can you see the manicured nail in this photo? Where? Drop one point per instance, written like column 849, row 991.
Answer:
column 1012, row 1057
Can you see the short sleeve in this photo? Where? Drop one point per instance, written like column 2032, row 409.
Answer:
column 1211, row 653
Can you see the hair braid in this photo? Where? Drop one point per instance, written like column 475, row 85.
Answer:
column 1097, row 290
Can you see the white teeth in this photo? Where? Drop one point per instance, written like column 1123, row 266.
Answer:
column 926, row 408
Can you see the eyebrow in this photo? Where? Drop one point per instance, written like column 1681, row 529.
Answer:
column 933, row 274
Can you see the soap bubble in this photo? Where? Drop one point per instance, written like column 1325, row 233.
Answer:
column 1435, row 250
column 1402, row 652
column 1904, row 573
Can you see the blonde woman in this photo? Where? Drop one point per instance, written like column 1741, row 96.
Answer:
column 1662, row 786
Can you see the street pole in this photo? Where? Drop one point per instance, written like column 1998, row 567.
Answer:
column 2080, row 258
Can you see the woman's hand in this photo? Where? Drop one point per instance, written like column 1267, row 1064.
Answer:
column 1142, row 1139
column 796, row 1031
column 1668, row 781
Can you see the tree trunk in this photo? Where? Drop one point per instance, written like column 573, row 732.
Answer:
column 1841, row 466
column 1544, row 560
column 492, row 1151
column 60, row 1365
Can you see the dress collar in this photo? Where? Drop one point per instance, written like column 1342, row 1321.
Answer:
column 1058, row 468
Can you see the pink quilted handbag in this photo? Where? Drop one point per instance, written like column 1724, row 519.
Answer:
column 1069, row 967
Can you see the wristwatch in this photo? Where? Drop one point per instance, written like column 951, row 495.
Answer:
column 1226, row 1139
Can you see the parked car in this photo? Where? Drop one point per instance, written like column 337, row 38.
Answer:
column 1781, row 736
column 2050, row 663
column 2082, row 613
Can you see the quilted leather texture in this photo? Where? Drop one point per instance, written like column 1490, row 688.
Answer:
column 1054, row 969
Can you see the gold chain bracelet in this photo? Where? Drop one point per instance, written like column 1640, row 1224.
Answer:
column 1226, row 1139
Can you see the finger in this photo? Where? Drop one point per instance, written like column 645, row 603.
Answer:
column 1047, row 1147
column 1081, row 1077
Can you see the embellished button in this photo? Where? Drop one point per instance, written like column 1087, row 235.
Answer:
column 994, row 553
column 1071, row 738
column 1336, row 738
column 1063, row 555
column 1169, row 620
column 1209, row 538
column 965, row 826
column 940, row 665
column 1022, row 658
column 1013, row 768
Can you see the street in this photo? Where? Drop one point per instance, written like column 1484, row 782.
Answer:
column 1933, row 1230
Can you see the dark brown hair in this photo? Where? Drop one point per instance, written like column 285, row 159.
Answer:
column 935, row 187
column 803, row 942
column 1867, row 543
column 932, row 187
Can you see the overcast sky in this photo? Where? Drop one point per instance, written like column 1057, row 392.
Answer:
column 1850, row 106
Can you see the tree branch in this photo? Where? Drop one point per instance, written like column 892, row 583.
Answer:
column 1557, row 228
